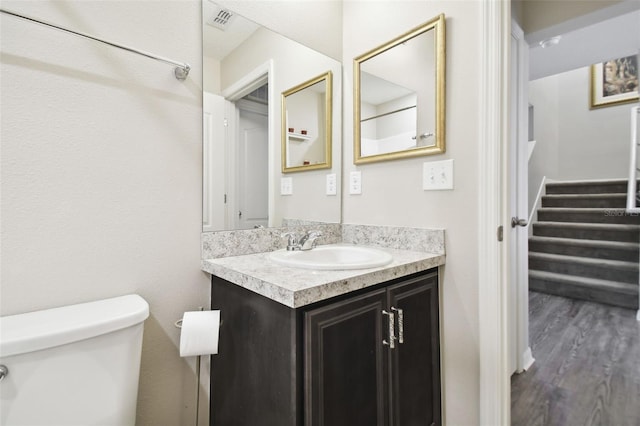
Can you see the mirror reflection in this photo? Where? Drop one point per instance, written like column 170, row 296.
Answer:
column 306, row 125
column 246, row 68
column 401, row 114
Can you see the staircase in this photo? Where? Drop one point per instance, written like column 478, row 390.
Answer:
column 584, row 245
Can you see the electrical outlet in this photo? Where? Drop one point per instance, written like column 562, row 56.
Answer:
column 286, row 186
column 331, row 184
column 437, row 175
column 355, row 183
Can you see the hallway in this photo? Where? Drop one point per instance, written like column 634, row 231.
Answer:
column 587, row 369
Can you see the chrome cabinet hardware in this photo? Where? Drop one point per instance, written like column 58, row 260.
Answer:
column 400, row 324
column 392, row 330
column 518, row 222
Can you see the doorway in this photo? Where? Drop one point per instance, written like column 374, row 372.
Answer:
column 252, row 159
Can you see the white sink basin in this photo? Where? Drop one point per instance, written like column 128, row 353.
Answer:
column 333, row 257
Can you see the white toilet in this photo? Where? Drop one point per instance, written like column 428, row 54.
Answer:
column 74, row 365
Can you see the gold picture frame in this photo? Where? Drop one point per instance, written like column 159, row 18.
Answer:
column 324, row 128
column 614, row 82
column 435, row 135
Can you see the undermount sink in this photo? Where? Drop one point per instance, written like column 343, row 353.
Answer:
column 333, row 257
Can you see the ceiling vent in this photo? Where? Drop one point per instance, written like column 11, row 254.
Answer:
column 221, row 18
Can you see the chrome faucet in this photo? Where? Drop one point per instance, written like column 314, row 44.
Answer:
column 306, row 242
column 309, row 241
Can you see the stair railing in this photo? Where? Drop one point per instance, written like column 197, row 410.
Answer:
column 634, row 164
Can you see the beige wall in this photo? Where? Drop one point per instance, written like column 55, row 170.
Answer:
column 101, row 174
column 392, row 192
column 293, row 64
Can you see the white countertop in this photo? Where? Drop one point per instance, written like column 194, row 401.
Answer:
column 296, row 287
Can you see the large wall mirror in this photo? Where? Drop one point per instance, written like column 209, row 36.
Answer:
column 246, row 68
column 399, row 96
column 306, row 125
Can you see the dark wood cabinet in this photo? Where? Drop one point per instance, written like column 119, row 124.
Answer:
column 356, row 376
column 332, row 363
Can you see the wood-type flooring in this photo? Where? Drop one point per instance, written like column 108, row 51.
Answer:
column 587, row 368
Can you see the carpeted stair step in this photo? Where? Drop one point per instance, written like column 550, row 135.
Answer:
column 585, row 200
column 591, row 289
column 614, row 270
column 613, row 250
column 588, row 231
column 588, row 187
column 587, row 215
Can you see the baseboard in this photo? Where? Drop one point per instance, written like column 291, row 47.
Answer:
column 527, row 358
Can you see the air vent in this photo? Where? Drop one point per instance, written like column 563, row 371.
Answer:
column 221, row 19
column 261, row 94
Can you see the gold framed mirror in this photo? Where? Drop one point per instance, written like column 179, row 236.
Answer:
column 307, row 125
column 399, row 96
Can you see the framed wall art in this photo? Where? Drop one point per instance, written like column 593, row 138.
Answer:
column 614, row 82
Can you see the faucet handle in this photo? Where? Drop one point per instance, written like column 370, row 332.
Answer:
column 292, row 239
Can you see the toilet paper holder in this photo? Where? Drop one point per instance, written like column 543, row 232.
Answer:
column 178, row 324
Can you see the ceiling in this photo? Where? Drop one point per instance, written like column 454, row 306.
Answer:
column 609, row 33
column 217, row 43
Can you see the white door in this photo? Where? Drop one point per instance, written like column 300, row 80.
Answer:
column 520, row 357
column 213, row 163
column 252, row 171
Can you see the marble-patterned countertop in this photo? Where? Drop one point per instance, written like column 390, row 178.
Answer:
column 295, row 287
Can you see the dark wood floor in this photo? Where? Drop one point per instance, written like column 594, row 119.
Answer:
column 587, row 369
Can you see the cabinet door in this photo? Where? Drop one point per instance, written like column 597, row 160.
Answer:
column 415, row 361
column 345, row 377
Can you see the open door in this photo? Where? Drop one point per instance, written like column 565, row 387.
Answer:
column 520, row 357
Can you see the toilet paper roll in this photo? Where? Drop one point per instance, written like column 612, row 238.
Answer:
column 200, row 331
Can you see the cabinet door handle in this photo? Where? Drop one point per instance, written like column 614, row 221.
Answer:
column 392, row 330
column 400, row 324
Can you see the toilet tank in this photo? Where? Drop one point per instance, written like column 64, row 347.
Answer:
column 73, row 365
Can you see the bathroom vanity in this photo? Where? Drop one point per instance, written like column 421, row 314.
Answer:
column 308, row 347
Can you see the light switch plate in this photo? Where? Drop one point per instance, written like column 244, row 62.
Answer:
column 331, row 184
column 355, row 183
column 286, row 186
column 437, row 175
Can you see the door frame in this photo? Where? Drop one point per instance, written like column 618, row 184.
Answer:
column 493, row 47
column 518, row 180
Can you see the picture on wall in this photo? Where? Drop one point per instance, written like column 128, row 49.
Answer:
column 614, row 82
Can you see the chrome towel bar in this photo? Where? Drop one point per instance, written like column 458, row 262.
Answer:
column 182, row 68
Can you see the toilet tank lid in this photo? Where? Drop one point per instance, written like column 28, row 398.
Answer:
column 44, row 329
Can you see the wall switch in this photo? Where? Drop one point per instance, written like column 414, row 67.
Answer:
column 331, row 184
column 437, row 175
column 355, row 183
column 286, row 186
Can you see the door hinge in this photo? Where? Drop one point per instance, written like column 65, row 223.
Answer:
column 500, row 233
column 226, row 122
column 225, row 198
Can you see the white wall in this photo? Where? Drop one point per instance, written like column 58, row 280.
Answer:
column 573, row 141
column 392, row 191
column 101, row 174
